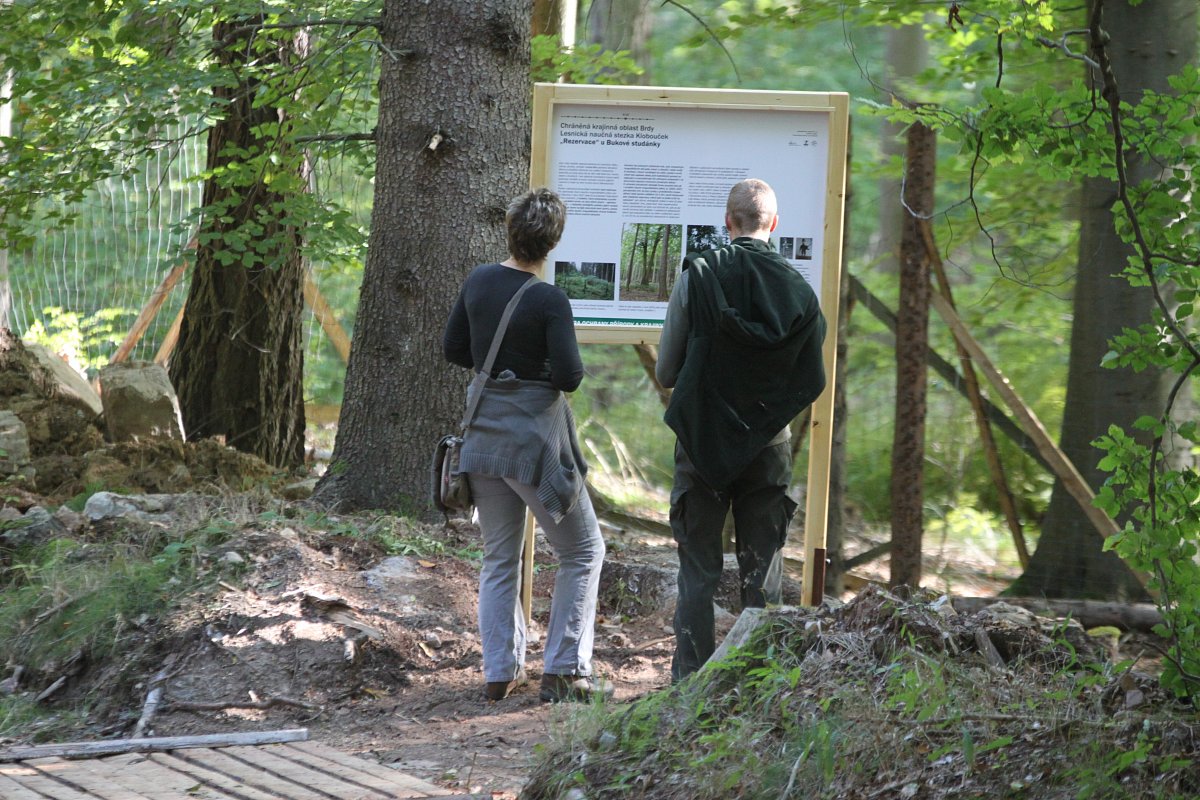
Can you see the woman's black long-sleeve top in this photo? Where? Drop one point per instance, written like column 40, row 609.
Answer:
column 540, row 341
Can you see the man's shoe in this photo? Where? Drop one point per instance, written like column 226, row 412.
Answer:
column 575, row 688
column 498, row 690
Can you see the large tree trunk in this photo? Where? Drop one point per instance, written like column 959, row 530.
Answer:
column 1069, row 561
column 622, row 25
column 912, row 338
column 453, row 148
column 238, row 367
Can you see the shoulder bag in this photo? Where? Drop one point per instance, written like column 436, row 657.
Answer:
column 451, row 493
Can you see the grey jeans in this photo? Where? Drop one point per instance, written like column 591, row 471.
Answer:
column 576, row 542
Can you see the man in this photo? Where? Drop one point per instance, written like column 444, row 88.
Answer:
column 741, row 344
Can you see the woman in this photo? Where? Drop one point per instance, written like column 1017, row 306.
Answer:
column 520, row 452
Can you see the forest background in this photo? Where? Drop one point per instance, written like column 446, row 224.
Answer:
column 105, row 191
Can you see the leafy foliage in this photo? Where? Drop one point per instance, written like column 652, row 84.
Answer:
column 1004, row 89
column 110, row 79
column 580, row 63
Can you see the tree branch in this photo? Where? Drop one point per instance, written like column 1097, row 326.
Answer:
column 710, row 32
column 1061, row 44
column 355, row 24
column 337, row 137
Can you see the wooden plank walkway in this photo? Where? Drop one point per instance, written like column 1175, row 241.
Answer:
column 285, row 771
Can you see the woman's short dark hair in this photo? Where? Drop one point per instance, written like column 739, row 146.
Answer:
column 535, row 224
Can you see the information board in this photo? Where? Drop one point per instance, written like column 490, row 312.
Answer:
column 645, row 173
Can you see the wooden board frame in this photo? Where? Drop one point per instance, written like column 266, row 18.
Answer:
column 833, row 104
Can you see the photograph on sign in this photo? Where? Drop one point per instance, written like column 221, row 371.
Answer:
column 646, row 184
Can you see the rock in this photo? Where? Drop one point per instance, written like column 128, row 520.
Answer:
column 72, row 521
column 34, row 526
column 748, row 622
column 139, row 402
column 634, row 589
column 300, row 490
column 106, row 505
column 232, row 557
column 67, row 384
column 102, row 468
column 394, row 569
column 14, row 443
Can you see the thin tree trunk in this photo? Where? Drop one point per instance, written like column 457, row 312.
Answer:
column 5, row 131
column 908, row 441
column 664, row 266
column 637, row 230
column 907, row 53
column 452, row 144
column 239, row 365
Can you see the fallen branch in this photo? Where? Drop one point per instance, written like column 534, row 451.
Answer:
column 607, row 509
column 1089, row 613
column 154, row 697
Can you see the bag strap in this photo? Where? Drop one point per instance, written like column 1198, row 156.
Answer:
column 482, row 376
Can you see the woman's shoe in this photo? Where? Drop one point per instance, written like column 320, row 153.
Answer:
column 575, row 688
column 498, row 690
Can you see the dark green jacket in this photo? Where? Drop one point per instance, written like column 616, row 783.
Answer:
column 753, row 357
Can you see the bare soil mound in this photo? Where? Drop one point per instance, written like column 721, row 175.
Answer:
column 68, row 454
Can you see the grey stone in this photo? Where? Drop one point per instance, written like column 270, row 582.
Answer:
column 747, row 623
column 14, row 443
column 300, row 490
column 35, row 525
column 392, row 569
column 106, row 505
column 72, row 521
column 139, row 402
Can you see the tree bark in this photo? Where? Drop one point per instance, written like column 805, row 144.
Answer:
column 453, row 149
column 907, row 54
column 555, row 18
column 622, row 25
column 912, row 341
column 1150, row 41
column 239, row 365
column 6, row 79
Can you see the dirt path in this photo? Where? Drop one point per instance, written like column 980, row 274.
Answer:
column 379, row 655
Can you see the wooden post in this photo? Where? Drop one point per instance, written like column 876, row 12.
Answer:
column 150, row 310
column 171, row 339
column 991, row 453
column 324, row 314
column 820, row 443
column 527, row 567
column 1058, row 460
